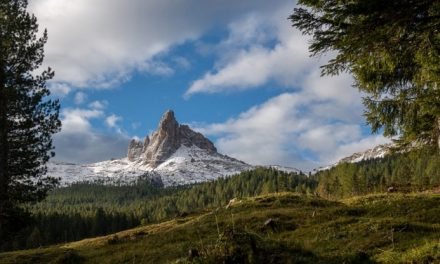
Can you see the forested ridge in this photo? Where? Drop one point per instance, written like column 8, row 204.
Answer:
column 88, row 210
column 383, row 210
column 91, row 209
column 415, row 170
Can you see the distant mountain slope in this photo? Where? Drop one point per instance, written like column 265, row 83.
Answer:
column 174, row 154
column 283, row 168
column 377, row 152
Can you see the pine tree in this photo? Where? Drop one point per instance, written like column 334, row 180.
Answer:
column 392, row 48
column 28, row 118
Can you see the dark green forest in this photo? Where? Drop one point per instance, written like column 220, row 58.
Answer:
column 91, row 209
column 416, row 170
column 88, row 210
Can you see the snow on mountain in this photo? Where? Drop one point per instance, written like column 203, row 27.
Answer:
column 192, row 164
column 174, row 155
column 283, row 168
column 187, row 165
column 377, row 152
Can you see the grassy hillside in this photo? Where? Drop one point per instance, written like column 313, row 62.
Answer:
column 274, row 228
column 89, row 210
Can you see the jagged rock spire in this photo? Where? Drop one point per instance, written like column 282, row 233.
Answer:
column 164, row 141
column 134, row 150
column 168, row 137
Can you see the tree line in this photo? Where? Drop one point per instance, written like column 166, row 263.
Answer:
column 391, row 48
column 90, row 209
column 404, row 172
column 87, row 209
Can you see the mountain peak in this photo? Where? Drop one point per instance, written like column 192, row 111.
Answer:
column 168, row 113
column 167, row 117
column 166, row 140
column 174, row 154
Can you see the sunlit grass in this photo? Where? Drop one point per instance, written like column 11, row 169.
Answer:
column 384, row 228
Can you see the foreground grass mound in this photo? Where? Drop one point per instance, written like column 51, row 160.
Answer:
column 276, row 228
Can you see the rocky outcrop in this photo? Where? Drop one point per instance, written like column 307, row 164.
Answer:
column 135, row 149
column 164, row 141
column 168, row 138
column 189, row 137
column 173, row 155
column 377, row 152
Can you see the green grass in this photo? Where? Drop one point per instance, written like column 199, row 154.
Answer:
column 383, row 228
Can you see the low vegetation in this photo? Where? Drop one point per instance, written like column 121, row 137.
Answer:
column 89, row 210
column 342, row 215
column 273, row 228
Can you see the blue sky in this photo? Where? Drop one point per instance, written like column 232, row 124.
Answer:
column 235, row 71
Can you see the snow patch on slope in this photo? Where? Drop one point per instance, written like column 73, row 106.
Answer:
column 187, row 165
column 283, row 168
column 375, row 153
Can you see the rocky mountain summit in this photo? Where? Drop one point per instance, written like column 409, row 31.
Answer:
column 166, row 140
column 174, row 155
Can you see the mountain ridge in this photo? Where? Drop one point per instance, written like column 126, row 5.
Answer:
column 378, row 151
column 166, row 140
column 173, row 154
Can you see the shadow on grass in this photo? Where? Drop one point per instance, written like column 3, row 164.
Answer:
column 244, row 247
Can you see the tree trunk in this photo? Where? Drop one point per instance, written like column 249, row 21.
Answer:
column 4, row 148
column 438, row 133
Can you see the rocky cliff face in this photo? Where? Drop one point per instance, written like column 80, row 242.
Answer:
column 166, row 140
column 173, row 155
column 135, row 149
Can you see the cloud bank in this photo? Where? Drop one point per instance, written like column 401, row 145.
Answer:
column 102, row 43
column 304, row 129
column 316, row 120
column 79, row 142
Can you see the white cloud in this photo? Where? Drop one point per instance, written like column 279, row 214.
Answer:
column 111, row 120
column 360, row 145
column 316, row 123
column 78, row 142
column 182, row 62
column 286, row 64
column 59, row 89
column 77, row 120
column 253, row 62
column 324, row 140
column 136, row 125
column 98, row 104
column 100, row 43
column 279, row 130
column 80, row 98
column 259, row 135
column 156, row 68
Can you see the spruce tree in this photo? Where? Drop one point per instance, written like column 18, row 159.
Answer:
column 392, row 48
column 28, row 117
